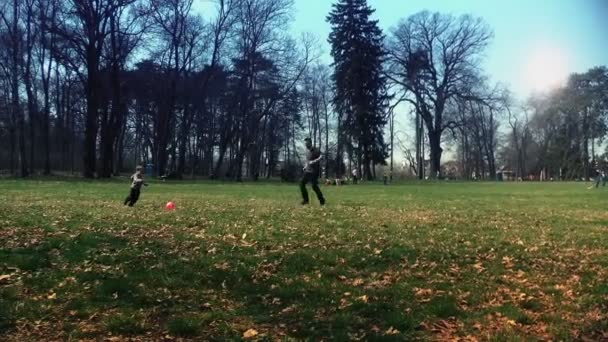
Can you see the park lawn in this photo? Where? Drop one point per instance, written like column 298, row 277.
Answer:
column 429, row 261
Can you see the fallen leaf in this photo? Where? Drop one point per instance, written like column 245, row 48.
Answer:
column 222, row 266
column 363, row 298
column 250, row 333
column 358, row 282
column 392, row 331
column 479, row 267
column 423, row 292
column 5, row 277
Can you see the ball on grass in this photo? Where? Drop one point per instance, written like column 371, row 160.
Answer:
column 170, row 206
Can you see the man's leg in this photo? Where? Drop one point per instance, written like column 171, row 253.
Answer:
column 303, row 188
column 315, row 188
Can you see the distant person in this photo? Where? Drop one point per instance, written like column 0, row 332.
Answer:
column 311, row 173
column 603, row 178
column 598, row 178
column 385, row 177
column 137, row 180
column 355, row 178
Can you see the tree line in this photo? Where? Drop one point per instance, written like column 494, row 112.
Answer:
column 97, row 86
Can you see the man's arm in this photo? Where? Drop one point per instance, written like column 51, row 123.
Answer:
column 314, row 161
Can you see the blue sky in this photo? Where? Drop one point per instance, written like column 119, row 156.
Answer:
column 536, row 42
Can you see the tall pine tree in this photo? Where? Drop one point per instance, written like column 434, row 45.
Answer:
column 360, row 88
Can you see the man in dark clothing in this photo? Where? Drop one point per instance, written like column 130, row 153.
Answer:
column 311, row 173
column 137, row 180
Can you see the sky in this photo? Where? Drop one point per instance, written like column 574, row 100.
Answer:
column 536, row 43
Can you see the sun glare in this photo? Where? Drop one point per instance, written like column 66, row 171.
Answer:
column 546, row 68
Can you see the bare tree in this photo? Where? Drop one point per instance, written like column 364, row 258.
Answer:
column 179, row 30
column 125, row 30
column 263, row 52
column 12, row 60
column 47, row 14
column 29, row 72
column 520, row 135
column 82, row 26
column 433, row 56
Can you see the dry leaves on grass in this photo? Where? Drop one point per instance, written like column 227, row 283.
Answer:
column 250, row 333
column 445, row 329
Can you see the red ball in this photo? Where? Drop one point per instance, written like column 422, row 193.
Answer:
column 170, row 206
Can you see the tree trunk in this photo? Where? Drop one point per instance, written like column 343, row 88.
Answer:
column 436, row 151
column 106, row 140
column 15, row 105
column 33, row 119
column 183, row 141
column 46, row 79
column 392, row 128
column 120, row 151
column 12, row 148
column 92, row 115
column 586, row 146
column 327, row 142
column 45, row 132
column 161, row 142
column 32, row 111
column 419, row 143
column 339, row 150
column 240, row 158
column 220, row 160
column 464, row 169
column 32, row 102
column 367, row 161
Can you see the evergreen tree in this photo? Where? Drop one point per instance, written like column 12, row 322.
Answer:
column 360, row 87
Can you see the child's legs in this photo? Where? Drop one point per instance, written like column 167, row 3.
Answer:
column 128, row 199
column 134, row 196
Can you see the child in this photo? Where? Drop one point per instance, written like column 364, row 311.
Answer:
column 137, row 180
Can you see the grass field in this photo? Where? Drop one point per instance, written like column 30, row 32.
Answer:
column 485, row 261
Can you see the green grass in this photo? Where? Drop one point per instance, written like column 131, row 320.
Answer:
column 185, row 326
column 510, row 261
